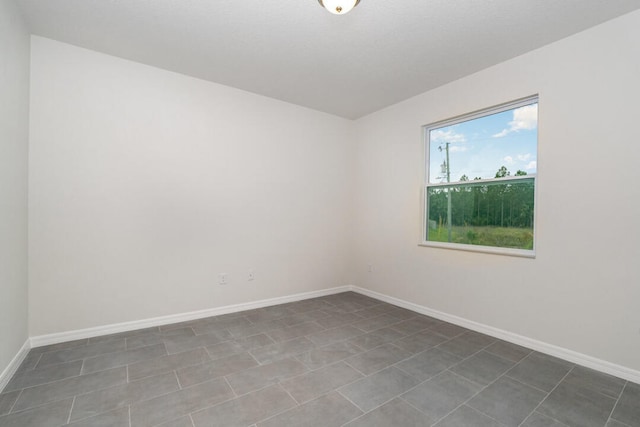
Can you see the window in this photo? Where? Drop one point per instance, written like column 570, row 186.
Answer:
column 480, row 180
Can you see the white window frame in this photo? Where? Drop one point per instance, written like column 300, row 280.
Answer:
column 526, row 253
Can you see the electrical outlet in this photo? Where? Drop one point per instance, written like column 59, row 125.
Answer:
column 251, row 275
column 223, row 278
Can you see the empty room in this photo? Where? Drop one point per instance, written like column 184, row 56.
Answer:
column 319, row 213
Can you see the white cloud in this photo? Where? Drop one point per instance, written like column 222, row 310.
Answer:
column 439, row 135
column 509, row 160
column 524, row 157
column 532, row 165
column 524, row 118
column 457, row 148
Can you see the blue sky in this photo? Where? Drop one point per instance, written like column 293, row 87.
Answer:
column 479, row 147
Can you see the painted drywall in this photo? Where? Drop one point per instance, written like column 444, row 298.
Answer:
column 146, row 184
column 14, row 139
column 581, row 292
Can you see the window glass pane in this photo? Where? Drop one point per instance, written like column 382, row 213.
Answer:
column 480, row 147
column 498, row 214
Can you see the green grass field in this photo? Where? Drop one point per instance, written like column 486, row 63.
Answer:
column 505, row 237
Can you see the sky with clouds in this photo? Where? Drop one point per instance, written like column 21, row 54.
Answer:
column 479, row 147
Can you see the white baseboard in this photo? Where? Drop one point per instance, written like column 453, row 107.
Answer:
column 41, row 340
column 550, row 349
column 15, row 363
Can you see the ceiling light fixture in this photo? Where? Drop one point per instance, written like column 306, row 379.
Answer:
column 339, row 7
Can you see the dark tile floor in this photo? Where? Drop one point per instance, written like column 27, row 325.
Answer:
column 340, row 360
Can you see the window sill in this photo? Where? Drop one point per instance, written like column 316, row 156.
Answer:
column 522, row 253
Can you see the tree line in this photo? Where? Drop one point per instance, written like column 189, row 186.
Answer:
column 508, row 204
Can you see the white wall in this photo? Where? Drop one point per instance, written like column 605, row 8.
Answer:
column 14, row 136
column 582, row 291
column 145, row 184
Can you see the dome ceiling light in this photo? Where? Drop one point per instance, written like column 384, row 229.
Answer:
column 339, row 7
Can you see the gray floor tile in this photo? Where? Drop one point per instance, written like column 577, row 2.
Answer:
column 377, row 338
column 577, row 406
column 295, row 331
column 415, row 325
column 304, row 316
column 239, row 345
column 541, row 371
column 404, row 314
column 116, row 418
column 335, row 320
column 52, row 414
column 180, row 403
column 596, row 381
column 245, row 410
column 307, row 305
column 7, row 401
column 264, row 375
column 507, row 401
column 179, row 344
column 396, row 413
column 221, row 325
column 97, row 402
column 382, row 321
column 268, row 313
column 282, row 350
column 196, row 374
column 60, row 346
column 223, row 383
column 117, row 336
column 374, row 311
column 467, row 344
column 467, row 417
column 536, row 419
column 308, row 386
column 167, row 363
column 331, row 410
column 157, row 337
column 44, row 375
column 429, row 363
column 374, row 390
column 122, row 358
column 180, row 422
column 441, row 394
column 628, row 408
column 328, row 354
column 69, row 387
column 482, row 367
column 449, row 330
column 30, row 361
column 378, row 358
column 508, row 351
column 421, row 341
column 82, row 352
column 330, row 336
column 255, row 329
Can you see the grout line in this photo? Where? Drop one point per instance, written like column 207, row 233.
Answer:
column 16, row 401
column 547, row 396
column 71, row 410
column 230, row 387
column 175, row 374
column 617, row 401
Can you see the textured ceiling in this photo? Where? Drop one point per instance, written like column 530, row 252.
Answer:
column 381, row 53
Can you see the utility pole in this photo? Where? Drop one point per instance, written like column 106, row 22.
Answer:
column 447, row 170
